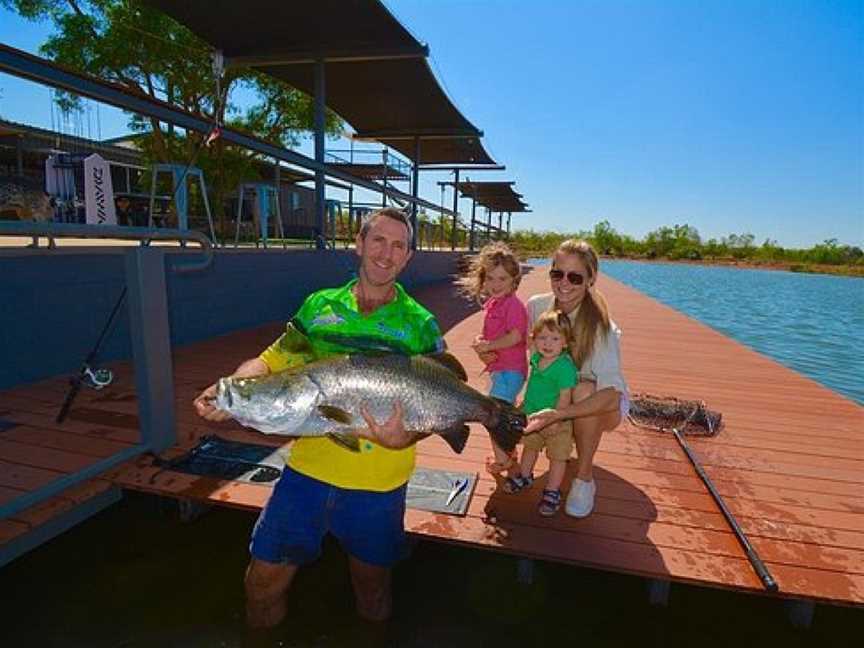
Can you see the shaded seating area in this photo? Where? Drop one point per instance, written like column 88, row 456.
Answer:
column 365, row 66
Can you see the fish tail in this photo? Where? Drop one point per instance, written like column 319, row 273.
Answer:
column 507, row 425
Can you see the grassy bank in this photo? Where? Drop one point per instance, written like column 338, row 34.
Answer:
column 683, row 244
column 814, row 268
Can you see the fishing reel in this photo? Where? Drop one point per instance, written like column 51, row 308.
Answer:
column 96, row 378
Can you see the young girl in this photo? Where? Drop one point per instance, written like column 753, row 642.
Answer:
column 494, row 274
column 553, row 376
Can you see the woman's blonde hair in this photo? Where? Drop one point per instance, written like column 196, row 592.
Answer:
column 555, row 321
column 593, row 314
column 490, row 256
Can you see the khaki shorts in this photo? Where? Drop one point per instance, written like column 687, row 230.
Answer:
column 557, row 439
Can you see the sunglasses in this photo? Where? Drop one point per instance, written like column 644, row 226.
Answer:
column 573, row 277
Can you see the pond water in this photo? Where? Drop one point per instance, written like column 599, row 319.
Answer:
column 811, row 323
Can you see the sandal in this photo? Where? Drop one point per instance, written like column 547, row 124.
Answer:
column 549, row 503
column 494, row 467
column 513, row 485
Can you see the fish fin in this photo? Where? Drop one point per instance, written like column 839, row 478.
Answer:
column 346, row 440
column 507, row 424
column 449, row 362
column 456, row 437
column 337, row 414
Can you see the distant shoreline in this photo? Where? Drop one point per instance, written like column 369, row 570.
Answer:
column 811, row 268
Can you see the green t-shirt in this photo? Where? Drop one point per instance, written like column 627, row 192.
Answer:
column 545, row 385
column 330, row 320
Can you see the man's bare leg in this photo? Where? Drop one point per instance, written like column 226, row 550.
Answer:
column 266, row 585
column 371, row 589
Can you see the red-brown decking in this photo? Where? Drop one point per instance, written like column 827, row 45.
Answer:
column 789, row 462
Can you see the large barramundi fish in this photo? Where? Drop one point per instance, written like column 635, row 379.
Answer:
column 323, row 398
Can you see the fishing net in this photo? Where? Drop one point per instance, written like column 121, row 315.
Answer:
column 667, row 412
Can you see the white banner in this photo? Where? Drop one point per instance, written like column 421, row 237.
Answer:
column 98, row 192
column 50, row 176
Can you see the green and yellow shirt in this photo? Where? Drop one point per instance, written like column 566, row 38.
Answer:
column 334, row 325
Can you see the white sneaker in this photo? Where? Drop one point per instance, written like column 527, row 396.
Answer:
column 580, row 499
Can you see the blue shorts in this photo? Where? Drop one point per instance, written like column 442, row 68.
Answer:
column 506, row 385
column 369, row 525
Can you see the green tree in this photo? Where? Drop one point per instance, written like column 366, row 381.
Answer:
column 605, row 239
column 146, row 52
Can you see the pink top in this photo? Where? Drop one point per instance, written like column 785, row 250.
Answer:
column 503, row 314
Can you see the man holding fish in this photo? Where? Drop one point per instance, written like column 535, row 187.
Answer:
column 347, row 472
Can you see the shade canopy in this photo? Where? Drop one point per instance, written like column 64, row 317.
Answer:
column 376, row 75
column 496, row 196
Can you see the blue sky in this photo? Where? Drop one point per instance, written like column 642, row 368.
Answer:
column 733, row 117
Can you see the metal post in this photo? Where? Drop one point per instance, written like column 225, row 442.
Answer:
column 152, row 196
column 384, row 173
column 207, row 207
column 320, row 107
column 150, row 333
column 415, row 178
column 351, row 207
column 488, row 224
column 658, row 592
column 453, row 239
column 508, row 224
column 240, row 195
column 525, row 571
column 473, row 211
column 19, row 155
column 279, row 203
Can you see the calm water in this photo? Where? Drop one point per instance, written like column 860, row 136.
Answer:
column 813, row 324
column 136, row 577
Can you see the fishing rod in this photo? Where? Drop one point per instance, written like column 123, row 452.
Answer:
column 761, row 570
column 86, row 370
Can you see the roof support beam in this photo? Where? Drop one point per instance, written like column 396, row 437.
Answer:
column 347, row 56
column 320, row 189
column 415, row 180
column 423, row 133
column 466, row 167
column 455, row 213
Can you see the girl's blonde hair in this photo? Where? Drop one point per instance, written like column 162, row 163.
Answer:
column 555, row 321
column 593, row 314
column 490, row 256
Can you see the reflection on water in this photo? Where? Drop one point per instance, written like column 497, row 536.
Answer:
column 811, row 323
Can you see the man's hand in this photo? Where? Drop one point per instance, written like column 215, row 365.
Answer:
column 392, row 433
column 205, row 406
column 205, row 403
column 540, row 420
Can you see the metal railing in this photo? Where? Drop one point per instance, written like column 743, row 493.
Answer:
column 143, row 234
column 147, row 301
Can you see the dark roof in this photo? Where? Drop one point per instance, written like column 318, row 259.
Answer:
column 377, row 78
column 294, row 30
column 497, row 196
column 450, row 150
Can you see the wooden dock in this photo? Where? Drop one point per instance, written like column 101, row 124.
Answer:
column 789, row 463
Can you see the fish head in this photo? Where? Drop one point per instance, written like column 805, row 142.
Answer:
column 275, row 404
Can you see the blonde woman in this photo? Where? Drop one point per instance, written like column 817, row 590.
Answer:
column 601, row 399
